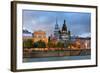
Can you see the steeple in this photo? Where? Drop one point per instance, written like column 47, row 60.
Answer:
column 56, row 20
column 56, row 31
column 56, row 25
column 64, row 21
column 64, row 27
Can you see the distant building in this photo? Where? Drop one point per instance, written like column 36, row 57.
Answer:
column 81, row 43
column 56, row 31
column 60, row 36
column 85, row 43
column 64, row 33
column 40, row 35
column 26, row 35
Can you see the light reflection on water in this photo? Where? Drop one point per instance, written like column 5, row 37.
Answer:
column 56, row 58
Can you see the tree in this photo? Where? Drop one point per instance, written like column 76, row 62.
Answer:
column 60, row 45
column 39, row 44
column 51, row 44
column 35, row 45
column 27, row 43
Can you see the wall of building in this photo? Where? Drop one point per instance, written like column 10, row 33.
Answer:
column 39, row 35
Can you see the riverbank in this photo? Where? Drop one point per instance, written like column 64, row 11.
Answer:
column 58, row 53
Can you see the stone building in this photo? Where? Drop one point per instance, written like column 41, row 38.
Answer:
column 81, row 43
column 40, row 35
column 63, row 34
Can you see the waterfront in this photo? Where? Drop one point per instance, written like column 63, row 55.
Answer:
column 57, row 39
column 30, row 53
column 57, row 58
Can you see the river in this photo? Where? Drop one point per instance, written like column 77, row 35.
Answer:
column 56, row 58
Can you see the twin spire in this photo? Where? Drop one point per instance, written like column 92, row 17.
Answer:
column 64, row 27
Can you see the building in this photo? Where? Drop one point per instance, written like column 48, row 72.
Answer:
column 81, row 43
column 40, row 35
column 85, row 43
column 61, row 35
column 26, row 35
column 56, row 31
column 65, row 35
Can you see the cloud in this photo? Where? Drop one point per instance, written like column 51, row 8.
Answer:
column 85, row 35
column 77, row 23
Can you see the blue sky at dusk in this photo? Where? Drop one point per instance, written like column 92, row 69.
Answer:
column 78, row 23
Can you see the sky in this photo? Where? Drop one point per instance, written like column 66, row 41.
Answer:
column 78, row 23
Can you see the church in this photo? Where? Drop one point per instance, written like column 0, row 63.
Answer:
column 62, row 34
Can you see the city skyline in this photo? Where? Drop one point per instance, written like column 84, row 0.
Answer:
column 77, row 23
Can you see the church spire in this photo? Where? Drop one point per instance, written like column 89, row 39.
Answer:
column 56, row 31
column 56, row 21
column 56, row 25
column 64, row 21
column 64, row 28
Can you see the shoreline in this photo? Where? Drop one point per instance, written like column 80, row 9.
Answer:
column 62, row 53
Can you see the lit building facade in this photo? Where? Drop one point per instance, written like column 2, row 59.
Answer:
column 81, row 43
column 40, row 35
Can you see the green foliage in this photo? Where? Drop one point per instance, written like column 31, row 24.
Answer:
column 35, row 45
column 57, row 45
column 60, row 45
column 27, row 43
column 50, row 44
column 39, row 44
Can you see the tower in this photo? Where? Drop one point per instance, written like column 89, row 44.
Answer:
column 56, row 30
column 64, row 31
column 64, row 34
column 64, row 27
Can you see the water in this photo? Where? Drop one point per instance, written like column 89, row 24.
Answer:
column 56, row 58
